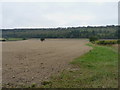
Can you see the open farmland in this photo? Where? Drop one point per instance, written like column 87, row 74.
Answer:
column 32, row 61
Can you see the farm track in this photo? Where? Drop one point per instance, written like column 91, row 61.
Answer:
column 32, row 61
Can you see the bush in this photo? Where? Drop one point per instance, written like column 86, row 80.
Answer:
column 4, row 40
column 93, row 39
column 106, row 42
column 42, row 39
column 24, row 39
column 118, row 41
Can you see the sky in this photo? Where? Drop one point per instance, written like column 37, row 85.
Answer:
column 58, row 14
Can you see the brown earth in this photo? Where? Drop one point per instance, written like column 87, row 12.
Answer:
column 32, row 61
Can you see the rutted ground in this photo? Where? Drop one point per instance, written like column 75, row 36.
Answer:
column 33, row 61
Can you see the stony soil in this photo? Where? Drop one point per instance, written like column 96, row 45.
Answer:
column 32, row 61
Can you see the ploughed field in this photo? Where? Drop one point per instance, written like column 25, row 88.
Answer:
column 32, row 61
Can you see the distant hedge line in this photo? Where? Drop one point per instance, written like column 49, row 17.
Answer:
column 107, row 42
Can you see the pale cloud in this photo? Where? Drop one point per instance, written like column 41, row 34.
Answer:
column 63, row 14
column 59, row 0
column 64, row 19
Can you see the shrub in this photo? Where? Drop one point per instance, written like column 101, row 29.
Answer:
column 93, row 39
column 24, row 39
column 4, row 40
column 106, row 42
column 42, row 39
column 118, row 41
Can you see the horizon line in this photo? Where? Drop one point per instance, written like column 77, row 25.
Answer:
column 59, row 27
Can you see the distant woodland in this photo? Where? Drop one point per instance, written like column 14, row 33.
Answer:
column 102, row 32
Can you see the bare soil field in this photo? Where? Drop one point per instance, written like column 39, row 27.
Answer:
column 32, row 61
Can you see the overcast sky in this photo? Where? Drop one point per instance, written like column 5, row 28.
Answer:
column 58, row 14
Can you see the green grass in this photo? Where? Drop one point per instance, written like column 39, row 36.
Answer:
column 12, row 39
column 96, row 69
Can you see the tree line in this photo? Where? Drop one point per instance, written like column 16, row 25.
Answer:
column 102, row 32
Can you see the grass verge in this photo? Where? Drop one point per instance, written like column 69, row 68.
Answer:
column 11, row 39
column 14, row 39
column 96, row 69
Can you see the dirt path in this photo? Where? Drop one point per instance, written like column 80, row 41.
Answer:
column 32, row 61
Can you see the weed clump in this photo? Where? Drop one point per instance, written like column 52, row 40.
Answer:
column 46, row 82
